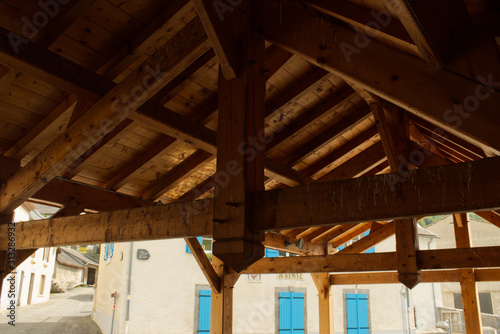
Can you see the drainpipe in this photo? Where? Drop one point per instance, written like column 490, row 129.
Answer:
column 128, row 286
column 404, row 307
column 113, row 295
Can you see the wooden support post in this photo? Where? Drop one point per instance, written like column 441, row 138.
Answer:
column 221, row 317
column 240, row 155
column 322, row 281
column 406, row 247
column 462, row 230
column 472, row 313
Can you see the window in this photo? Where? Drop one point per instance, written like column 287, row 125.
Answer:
column 42, row 285
column 291, row 313
column 108, row 251
column 206, row 244
column 357, row 316
column 485, row 303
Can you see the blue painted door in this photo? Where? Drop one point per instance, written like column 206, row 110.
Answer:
column 357, row 313
column 291, row 313
column 204, row 314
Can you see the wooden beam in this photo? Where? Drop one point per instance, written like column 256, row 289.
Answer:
column 221, row 314
column 406, row 248
column 377, row 67
column 106, row 114
column 468, row 186
column 470, row 302
column 428, row 276
column 184, row 220
column 462, row 230
column 206, row 267
column 489, row 216
column 289, row 244
column 241, row 123
column 217, row 23
column 75, row 194
column 325, row 299
column 484, row 257
column 370, row 240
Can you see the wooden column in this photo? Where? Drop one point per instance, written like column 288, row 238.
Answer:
column 240, row 152
column 406, row 247
column 322, row 281
column 472, row 313
column 221, row 316
column 470, row 300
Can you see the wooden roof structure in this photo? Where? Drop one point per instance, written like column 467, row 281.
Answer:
column 314, row 121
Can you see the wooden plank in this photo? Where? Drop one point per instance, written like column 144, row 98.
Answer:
column 75, row 194
column 470, row 302
column 357, row 165
column 386, row 136
column 377, row 67
column 168, row 61
column 476, row 257
column 406, row 248
column 489, row 216
column 289, row 244
column 213, row 16
column 325, row 301
column 63, row 18
column 486, row 275
column 471, row 186
column 190, row 219
column 350, row 234
column 330, row 135
column 240, row 125
column 53, row 120
column 204, row 263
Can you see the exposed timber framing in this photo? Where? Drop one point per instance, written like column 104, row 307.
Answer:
column 325, row 300
column 471, row 186
column 446, row 92
column 406, row 247
column 206, row 267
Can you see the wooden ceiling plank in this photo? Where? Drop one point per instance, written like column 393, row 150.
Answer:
column 106, row 114
column 145, row 40
column 358, row 164
column 448, row 95
column 51, row 122
column 65, row 16
column 369, row 241
column 350, row 234
column 329, row 135
column 467, row 187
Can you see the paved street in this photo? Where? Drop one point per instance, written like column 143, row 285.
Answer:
column 66, row 313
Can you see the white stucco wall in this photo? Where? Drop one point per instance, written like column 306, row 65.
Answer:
column 37, row 266
column 67, row 277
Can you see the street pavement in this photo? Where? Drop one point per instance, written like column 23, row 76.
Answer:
column 64, row 313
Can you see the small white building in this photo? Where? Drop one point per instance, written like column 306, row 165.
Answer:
column 72, row 269
column 33, row 275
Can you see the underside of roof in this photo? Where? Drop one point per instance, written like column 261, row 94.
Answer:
column 112, row 105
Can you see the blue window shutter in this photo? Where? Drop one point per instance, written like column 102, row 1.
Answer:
column 188, row 250
column 204, row 312
column 272, row 253
column 357, row 313
column 291, row 313
column 106, row 249
column 285, row 310
column 341, row 247
column 371, row 250
column 111, row 249
column 297, row 313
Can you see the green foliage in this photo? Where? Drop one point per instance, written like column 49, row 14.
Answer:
column 431, row 219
